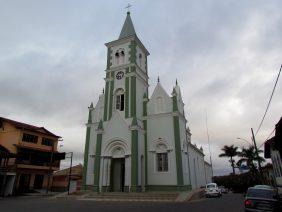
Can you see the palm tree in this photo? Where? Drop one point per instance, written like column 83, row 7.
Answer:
column 230, row 152
column 250, row 157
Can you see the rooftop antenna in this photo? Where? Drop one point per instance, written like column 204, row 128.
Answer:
column 208, row 136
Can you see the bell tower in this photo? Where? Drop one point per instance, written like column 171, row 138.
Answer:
column 126, row 74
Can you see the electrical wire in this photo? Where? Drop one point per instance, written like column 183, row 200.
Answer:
column 267, row 138
column 269, row 101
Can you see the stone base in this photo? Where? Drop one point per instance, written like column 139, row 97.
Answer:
column 168, row 188
column 135, row 189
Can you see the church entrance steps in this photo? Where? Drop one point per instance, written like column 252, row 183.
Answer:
column 133, row 197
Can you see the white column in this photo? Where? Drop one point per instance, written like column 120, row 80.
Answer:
column 127, row 180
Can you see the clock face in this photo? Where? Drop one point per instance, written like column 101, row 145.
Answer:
column 119, row 75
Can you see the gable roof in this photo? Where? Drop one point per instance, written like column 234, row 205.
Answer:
column 25, row 126
column 159, row 91
column 128, row 28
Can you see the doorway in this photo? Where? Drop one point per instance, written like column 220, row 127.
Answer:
column 117, row 174
column 24, row 183
column 38, row 181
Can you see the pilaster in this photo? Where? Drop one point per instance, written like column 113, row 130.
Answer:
column 177, row 141
column 97, row 161
column 134, row 155
column 86, row 148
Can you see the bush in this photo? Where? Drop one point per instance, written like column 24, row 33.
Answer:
column 237, row 183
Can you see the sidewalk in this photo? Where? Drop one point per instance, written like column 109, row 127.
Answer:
column 133, row 197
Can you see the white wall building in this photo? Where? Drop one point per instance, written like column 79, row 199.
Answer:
column 137, row 143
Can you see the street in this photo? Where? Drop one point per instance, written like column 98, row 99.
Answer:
column 229, row 202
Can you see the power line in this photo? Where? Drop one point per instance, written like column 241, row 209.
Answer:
column 269, row 101
column 267, row 138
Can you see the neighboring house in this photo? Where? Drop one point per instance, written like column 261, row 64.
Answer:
column 268, row 174
column 273, row 150
column 7, row 171
column 135, row 142
column 61, row 179
column 25, row 155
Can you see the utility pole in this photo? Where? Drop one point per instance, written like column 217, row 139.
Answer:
column 50, row 168
column 70, row 172
column 256, row 148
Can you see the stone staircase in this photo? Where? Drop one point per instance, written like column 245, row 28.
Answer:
column 133, row 197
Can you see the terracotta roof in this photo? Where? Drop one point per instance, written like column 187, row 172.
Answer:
column 21, row 125
column 75, row 171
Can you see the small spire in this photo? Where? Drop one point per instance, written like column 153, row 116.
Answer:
column 100, row 126
column 91, row 105
column 158, row 79
column 103, row 91
column 176, row 82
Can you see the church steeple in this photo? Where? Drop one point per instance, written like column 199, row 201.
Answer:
column 128, row 28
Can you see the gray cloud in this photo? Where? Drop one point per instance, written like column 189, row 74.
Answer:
column 225, row 55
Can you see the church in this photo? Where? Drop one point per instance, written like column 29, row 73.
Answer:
column 136, row 142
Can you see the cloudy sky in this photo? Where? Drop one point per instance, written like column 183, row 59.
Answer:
column 225, row 54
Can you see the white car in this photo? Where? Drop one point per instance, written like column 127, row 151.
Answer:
column 212, row 190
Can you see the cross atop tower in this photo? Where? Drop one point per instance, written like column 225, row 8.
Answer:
column 128, row 7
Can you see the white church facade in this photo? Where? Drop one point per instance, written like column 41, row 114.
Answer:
column 135, row 142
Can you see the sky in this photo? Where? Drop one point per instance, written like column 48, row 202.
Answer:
column 226, row 55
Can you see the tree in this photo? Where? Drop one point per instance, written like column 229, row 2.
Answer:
column 230, row 152
column 249, row 156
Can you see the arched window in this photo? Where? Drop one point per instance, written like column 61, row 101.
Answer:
column 120, row 99
column 140, row 60
column 117, row 58
column 161, row 157
column 162, row 162
column 120, row 57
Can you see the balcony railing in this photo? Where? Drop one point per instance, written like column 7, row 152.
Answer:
column 39, row 163
column 7, row 168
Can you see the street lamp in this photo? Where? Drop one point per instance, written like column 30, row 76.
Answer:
column 71, row 156
column 256, row 149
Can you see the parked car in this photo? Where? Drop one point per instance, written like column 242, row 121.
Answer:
column 262, row 199
column 212, row 190
column 223, row 189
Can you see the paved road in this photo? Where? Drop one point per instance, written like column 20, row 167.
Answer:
column 229, row 202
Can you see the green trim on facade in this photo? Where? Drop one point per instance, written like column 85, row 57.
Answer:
column 133, row 96
column 179, row 170
column 146, row 65
column 177, row 142
column 174, row 101
column 145, row 137
column 126, row 97
column 127, row 70
column 145, row 151
column 106, row 102
column 134, row 156
column 107, row 74
column 97, row 161
column 133, row 69
column 109, row 57
column 111, row 98
column 168, row 188
column 112, row 74
column 132, row 51
column 86, row 148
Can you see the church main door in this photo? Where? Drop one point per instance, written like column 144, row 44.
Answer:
column 117, row 174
